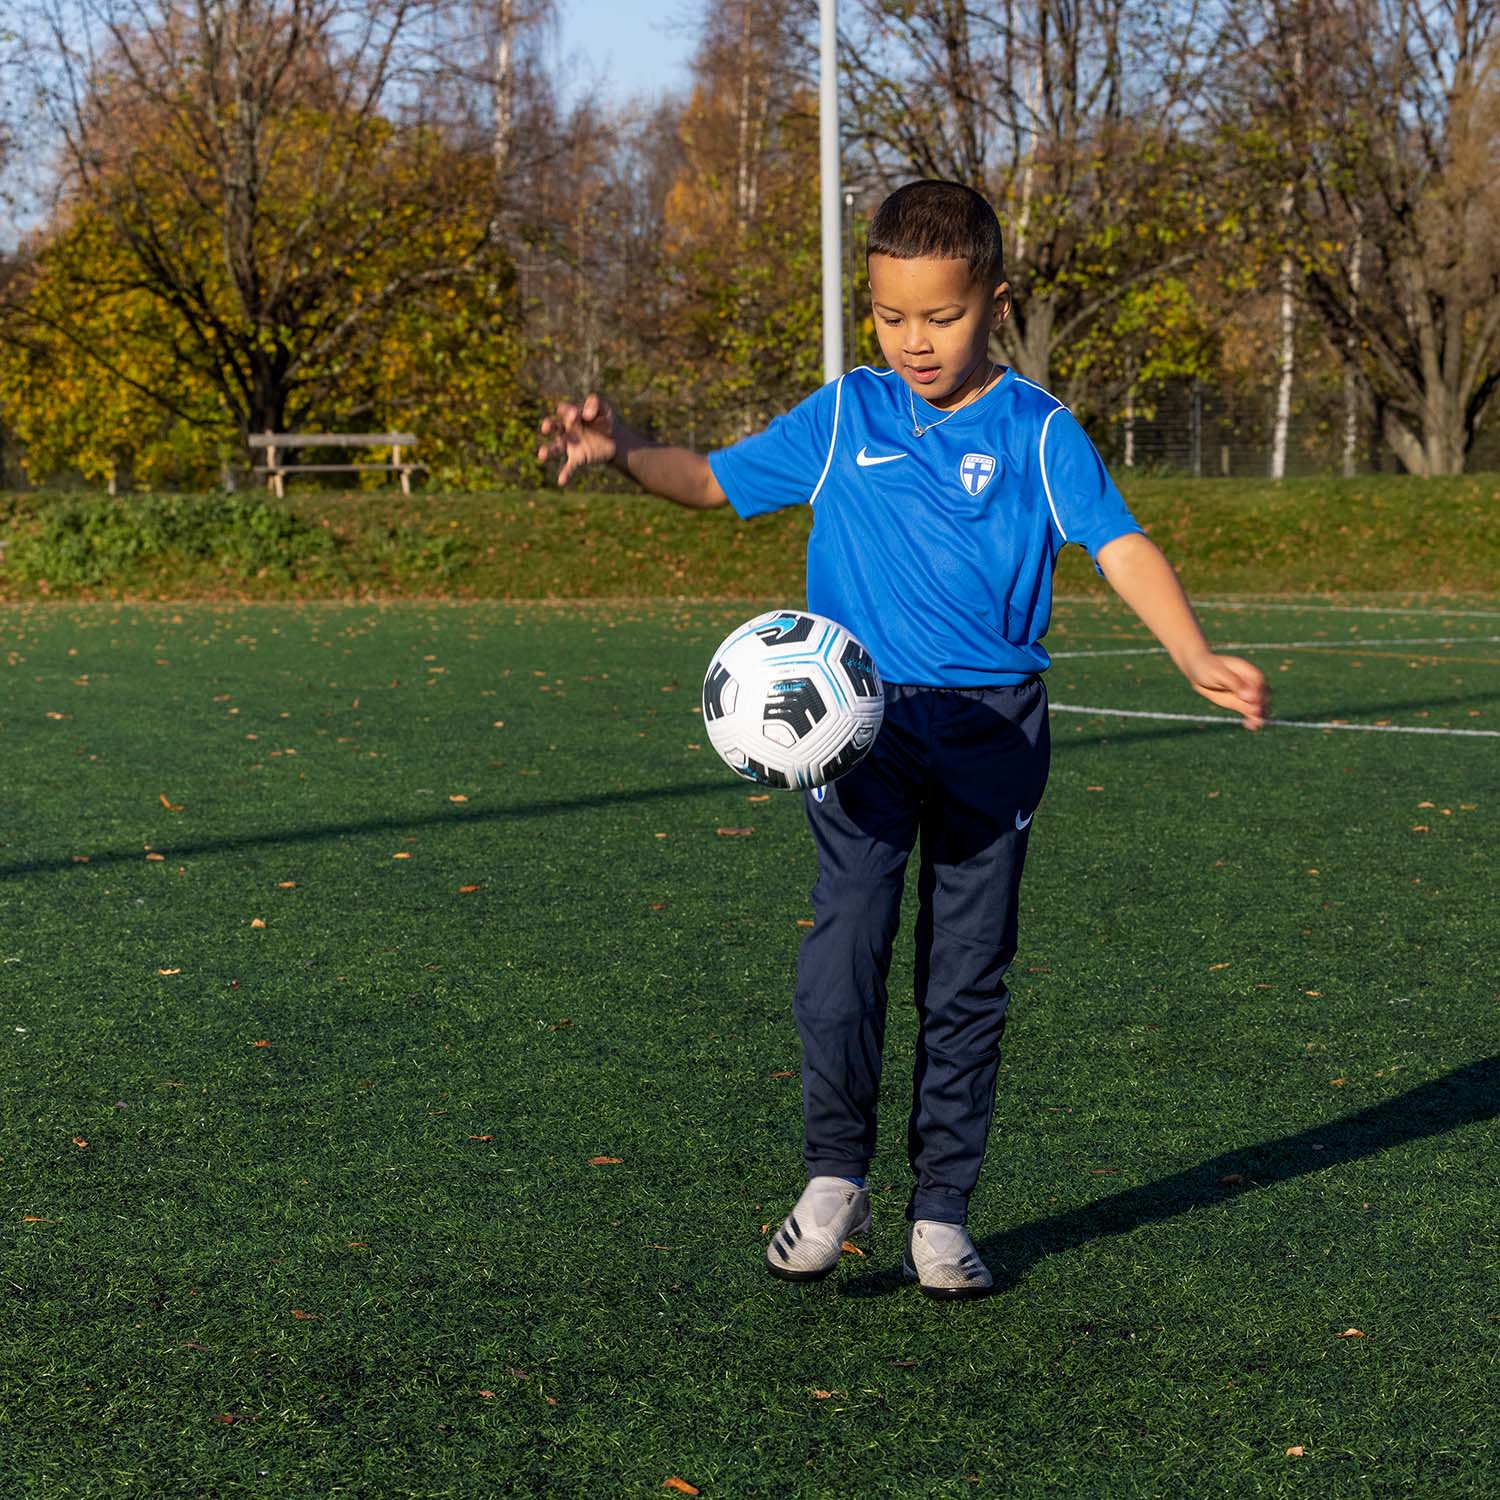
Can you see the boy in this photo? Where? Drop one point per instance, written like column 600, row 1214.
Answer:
column 943, row 489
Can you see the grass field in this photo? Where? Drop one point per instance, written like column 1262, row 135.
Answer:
column 400, row 1076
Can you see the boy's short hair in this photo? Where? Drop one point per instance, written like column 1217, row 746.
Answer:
column 938, row 220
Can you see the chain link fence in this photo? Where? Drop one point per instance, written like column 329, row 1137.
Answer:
column 1199, row 431
column 1187, row 431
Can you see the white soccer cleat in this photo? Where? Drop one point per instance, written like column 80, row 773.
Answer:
column 810, row 1240
column 942, row 1259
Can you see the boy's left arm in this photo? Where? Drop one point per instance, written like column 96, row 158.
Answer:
column 1145, row 580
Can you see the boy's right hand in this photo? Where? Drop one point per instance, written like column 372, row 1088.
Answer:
column 583, row 434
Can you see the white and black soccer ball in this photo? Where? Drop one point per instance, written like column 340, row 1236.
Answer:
column 792, row 700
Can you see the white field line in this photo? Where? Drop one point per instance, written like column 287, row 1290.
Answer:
column 1225, row 721
column 1312, row 607
column 1366, row 644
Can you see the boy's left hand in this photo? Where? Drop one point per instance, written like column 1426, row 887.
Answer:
column 1232, row 682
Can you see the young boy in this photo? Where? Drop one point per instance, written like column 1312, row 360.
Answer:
column 943, row 489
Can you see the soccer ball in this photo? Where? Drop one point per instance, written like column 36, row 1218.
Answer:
column 792, row 700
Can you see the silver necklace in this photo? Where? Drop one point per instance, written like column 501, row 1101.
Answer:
column 918, row 428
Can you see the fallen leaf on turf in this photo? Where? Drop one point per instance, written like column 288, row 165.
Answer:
column 783, row 1074
column 481, row 1137
column 1231, row 1178
column 804, row 921
column 402, row 855
column 822, row 1395
column 306, row 1317
column 562, row 1024
column 1212, row 967
column 1338, row 1080
column 658, row 906
column 1315, row 994
column 488, row 1395
column 758, row 797
column 850, row 1248
column 79, row 1141
column 674, row 1483
column 169, row 971
column 467, row 890
column 605, row 1161
column 286, row 885
column 1427, row 804
column 156, row 857
column 81, row 859
column 1421, row 828
column 170, row 805
column 257, row 921
column 1103, row 1171
column 1296, row 1452
column 37, row 1219
column 261, row 1043
column 1095, row 789
column 358, row 1245
column 1351, row 1333
column 458, row 797
column 733, row 833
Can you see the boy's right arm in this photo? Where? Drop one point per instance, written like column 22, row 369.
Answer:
column 591, row 433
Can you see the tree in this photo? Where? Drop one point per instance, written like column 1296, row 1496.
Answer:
column 741, row 220
column 267, row 181
column 103, row 371
column 1071, row 115
column 1388, row 114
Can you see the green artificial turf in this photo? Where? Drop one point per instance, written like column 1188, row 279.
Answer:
column 312, row 1209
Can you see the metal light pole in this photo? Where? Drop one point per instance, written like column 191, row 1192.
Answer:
column 828, row 183
column 851, row 352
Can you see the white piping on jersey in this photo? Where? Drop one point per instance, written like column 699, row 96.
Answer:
column 1041, row 449
column 838, row 396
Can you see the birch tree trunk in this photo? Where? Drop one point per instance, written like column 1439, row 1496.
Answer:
column 505, row 94
column 1351, row 358
column 1286, row 365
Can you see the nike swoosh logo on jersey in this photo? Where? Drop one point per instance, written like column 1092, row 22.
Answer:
column 1024, row 822
column 865, row 460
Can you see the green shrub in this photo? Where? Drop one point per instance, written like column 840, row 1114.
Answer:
column 94, row 540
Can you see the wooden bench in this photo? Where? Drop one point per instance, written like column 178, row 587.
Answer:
column 278, row 442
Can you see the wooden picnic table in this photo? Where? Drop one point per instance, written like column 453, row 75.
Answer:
column 276, row 443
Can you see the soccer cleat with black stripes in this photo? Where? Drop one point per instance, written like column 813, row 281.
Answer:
column 942, row 1260
column 809, row 1241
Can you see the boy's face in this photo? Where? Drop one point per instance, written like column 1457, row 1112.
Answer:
column 934, row 322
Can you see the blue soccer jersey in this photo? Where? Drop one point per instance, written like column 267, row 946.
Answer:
column 937, row 551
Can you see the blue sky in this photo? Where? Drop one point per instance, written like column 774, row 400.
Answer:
column 629, row 47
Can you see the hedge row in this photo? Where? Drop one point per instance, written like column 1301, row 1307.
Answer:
column 1386, row 535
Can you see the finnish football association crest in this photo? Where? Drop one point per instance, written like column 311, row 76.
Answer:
column 976, row 471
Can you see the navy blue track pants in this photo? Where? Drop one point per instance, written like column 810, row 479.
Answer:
column 961, row 770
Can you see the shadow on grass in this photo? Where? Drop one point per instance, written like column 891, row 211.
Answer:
column 1466, row 1096
column 1078, row 740
column 326, row 831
